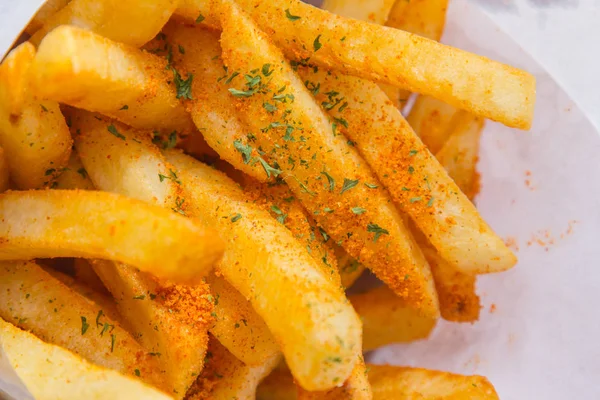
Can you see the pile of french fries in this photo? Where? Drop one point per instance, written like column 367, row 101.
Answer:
column 190, row 187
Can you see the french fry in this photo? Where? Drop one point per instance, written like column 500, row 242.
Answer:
column 33, row 133
column 365, row 10
column 464, row 80
column 113, row 19
column 328, row 176
column 460, row 153
column 350, row 269
column 425, row 18
column 93, row 224
column 267, row 265
column 430, row 119
column 48, row 9
column 169, row 321
column 279, row 385
column 389, row 319
column 103, row 300
column 417, row 182
column 47, row 370
column 225, row 377
column 74, row 176
column 238, row 327
column 212, row 110
column 73, row 65
column 399, row 383
column 34, row 300
column 139, row 170
column 356, row 387
column 4, row 174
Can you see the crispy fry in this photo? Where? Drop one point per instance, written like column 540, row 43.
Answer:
column 400, row 383
column 4, row 174
column 36, row 301
column 416, row 180
column 74, row 176
column 459, row 155
column 225, row 377
column 238, row 327
column 73, row 65
column 430, row 119
column 328, row 176
column 266, row 264
column 356, row 387
column 212, row 110
column 113, row 19
column 389, row 319
column 365, row 10
column 48, row 9
column 47, row 370
column 465, row 80
column 93, row 224
column 425, row 18
column 33, row 133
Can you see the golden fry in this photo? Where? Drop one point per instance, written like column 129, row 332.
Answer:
column 430, row 119
column 417, row 182
column 113, row 19
column 212, row 110
column 74, row 176
column 47, row 370
column 225, row 377
column 73, row 65
column 356, row 387
column 33, row 133
column 326, row 174
column 401, row 383
column 34, row 300
column 460, row 153
column 389, row 319
column 93, row 224
column 350, row 269
column 425, row 18
column 318, row 332
column 238, row 327
column 465, row 80
column 365, row 10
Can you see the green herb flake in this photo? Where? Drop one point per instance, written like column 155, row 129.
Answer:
column 113, row 130
column 125, row 107
column 268, row 169
column 430, row 202
column 181, row 49
column 200, row 18
column 371, row 186
column 317, row 44
column 415, row 199
column 241, row 93
column 139, row 297
column 412, row 152
column 84, row 325
column 377, row 230
column 266, row 70
column 236, row 217
column 290, row 16
column 358, row 210
column 137, row 372
column 348, row 184
column 183, row 87
column 113, row 338
column 330, row 180
column 44, row 109
column 244, row 149
column 269, row 107
column 411, row 169
column 100, row 314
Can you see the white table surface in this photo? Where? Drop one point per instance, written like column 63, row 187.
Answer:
column 562, row 35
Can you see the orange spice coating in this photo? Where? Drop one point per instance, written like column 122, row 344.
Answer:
column 324, row 172
column 190, row 304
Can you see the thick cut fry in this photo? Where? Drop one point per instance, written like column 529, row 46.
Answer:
column 169, row 321
column 425, row 18
column 365, row 10
column 225, row 377
column 279, row 385
column 415, row 179
column 318, row 332
column 430, row 119
column 73, row 65
column 48, row 9
column 89, row 224
column 139, row 170
column 238, row 327
column 327, row 175
column 113, row 19
column 34, row 300
column 74, row 176
column 47, row 370
column 33, row 133
column 401, row 383
column 356, row 387
column 465, row 80
column 460, row 153
column 389, row 319
column 212, row 110
column 4, row 174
